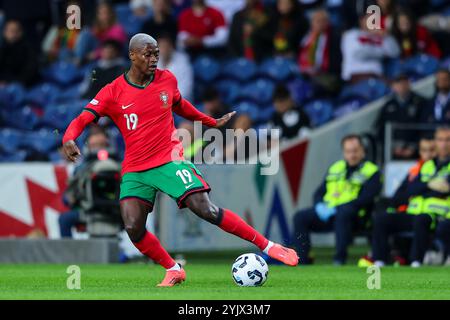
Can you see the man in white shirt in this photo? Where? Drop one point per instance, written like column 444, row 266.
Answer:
column 363, row 51
column 178, row 63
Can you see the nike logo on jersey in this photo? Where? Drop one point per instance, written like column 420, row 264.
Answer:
column 188, row 186
column 125, row 107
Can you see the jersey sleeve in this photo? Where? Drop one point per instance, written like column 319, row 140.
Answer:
column 98, row 105
column 176, row 100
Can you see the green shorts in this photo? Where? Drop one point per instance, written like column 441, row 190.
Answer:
column 178, row 179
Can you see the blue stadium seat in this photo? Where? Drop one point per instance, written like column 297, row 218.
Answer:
column 368, row 90
column 128, row 20
column 42, row 94
column 265, row 113
column 229, row 90
column 240, row 69
column 59, row 116
column 43, row 141
column 206, row 69
column 348, row 107
column 10, row 139
column 249, row 108
column 24, row 118
column 301, row 90
column 69, row 94
column 260, row 91
column 62, row 73
column 12, row 96
column 392, row 67
column 278, row 68
column 319, row 111
column 420, row 65
column 17, row 156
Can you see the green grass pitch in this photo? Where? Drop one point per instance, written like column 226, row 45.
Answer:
column 213, row 281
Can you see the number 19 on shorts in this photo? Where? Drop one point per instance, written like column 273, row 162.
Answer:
column 185, row 176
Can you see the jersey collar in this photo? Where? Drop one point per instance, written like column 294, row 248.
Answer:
column 136, row 85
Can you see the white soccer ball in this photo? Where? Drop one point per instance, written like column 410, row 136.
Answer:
column 249, row 270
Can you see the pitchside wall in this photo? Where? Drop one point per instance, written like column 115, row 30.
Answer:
column 30, row 193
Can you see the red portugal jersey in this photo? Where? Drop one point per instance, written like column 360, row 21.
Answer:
column 144, row 117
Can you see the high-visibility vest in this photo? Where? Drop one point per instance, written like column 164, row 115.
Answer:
column 413, row 172
column 339, row 189
column 431, row 205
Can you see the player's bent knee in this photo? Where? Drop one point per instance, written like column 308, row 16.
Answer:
column 135, row 231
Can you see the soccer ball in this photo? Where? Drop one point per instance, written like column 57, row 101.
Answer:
column 249, row 270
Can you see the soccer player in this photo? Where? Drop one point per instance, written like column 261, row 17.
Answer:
column 140, row 103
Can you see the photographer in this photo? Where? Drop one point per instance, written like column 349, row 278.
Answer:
column 96, row 140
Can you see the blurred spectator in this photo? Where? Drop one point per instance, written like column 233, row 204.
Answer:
column 213, row 105
column 341, row 203
column 387, row 9
column 227, row 7
column 438, row 110
column 141, row 8
column 404, row 107
column 96, row 140
column 34, row 16
column 178, row 63
column 240, row 148
column 351, row 10
column 427, row 151
column 105, row 27
column 59, row 42
column 17, row 58
column 202, row 29
column 439, row 25
column 427, row 194
column 319, row 56
column 161, row 21
column 289, row 26
column 110, row 65
column 363, row 51
column 398, row 203
column 249, row 34
column 289, row 118
column 411, row 37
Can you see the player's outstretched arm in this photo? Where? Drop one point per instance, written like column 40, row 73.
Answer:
column 185, row 109
column 73, row 131
column 222, row 121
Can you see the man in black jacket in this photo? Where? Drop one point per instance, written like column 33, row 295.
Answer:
column 438, row 110
column 404, row 107
column 289, row 118
column 17, row 59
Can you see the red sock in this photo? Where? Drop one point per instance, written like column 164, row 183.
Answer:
column 150, row 246
column 234, row 224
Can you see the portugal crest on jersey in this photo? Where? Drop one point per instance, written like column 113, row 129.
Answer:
column 164, row 97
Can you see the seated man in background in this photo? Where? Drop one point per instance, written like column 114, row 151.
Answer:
column 96, row 140
column 178, row 63
column 398, row 203
column 288, row 117
column 438, row 110
column 341, row 202
column 110, row 65
column 404, row 107
column 202, row 30
column 363, row 52
column 429, row 200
